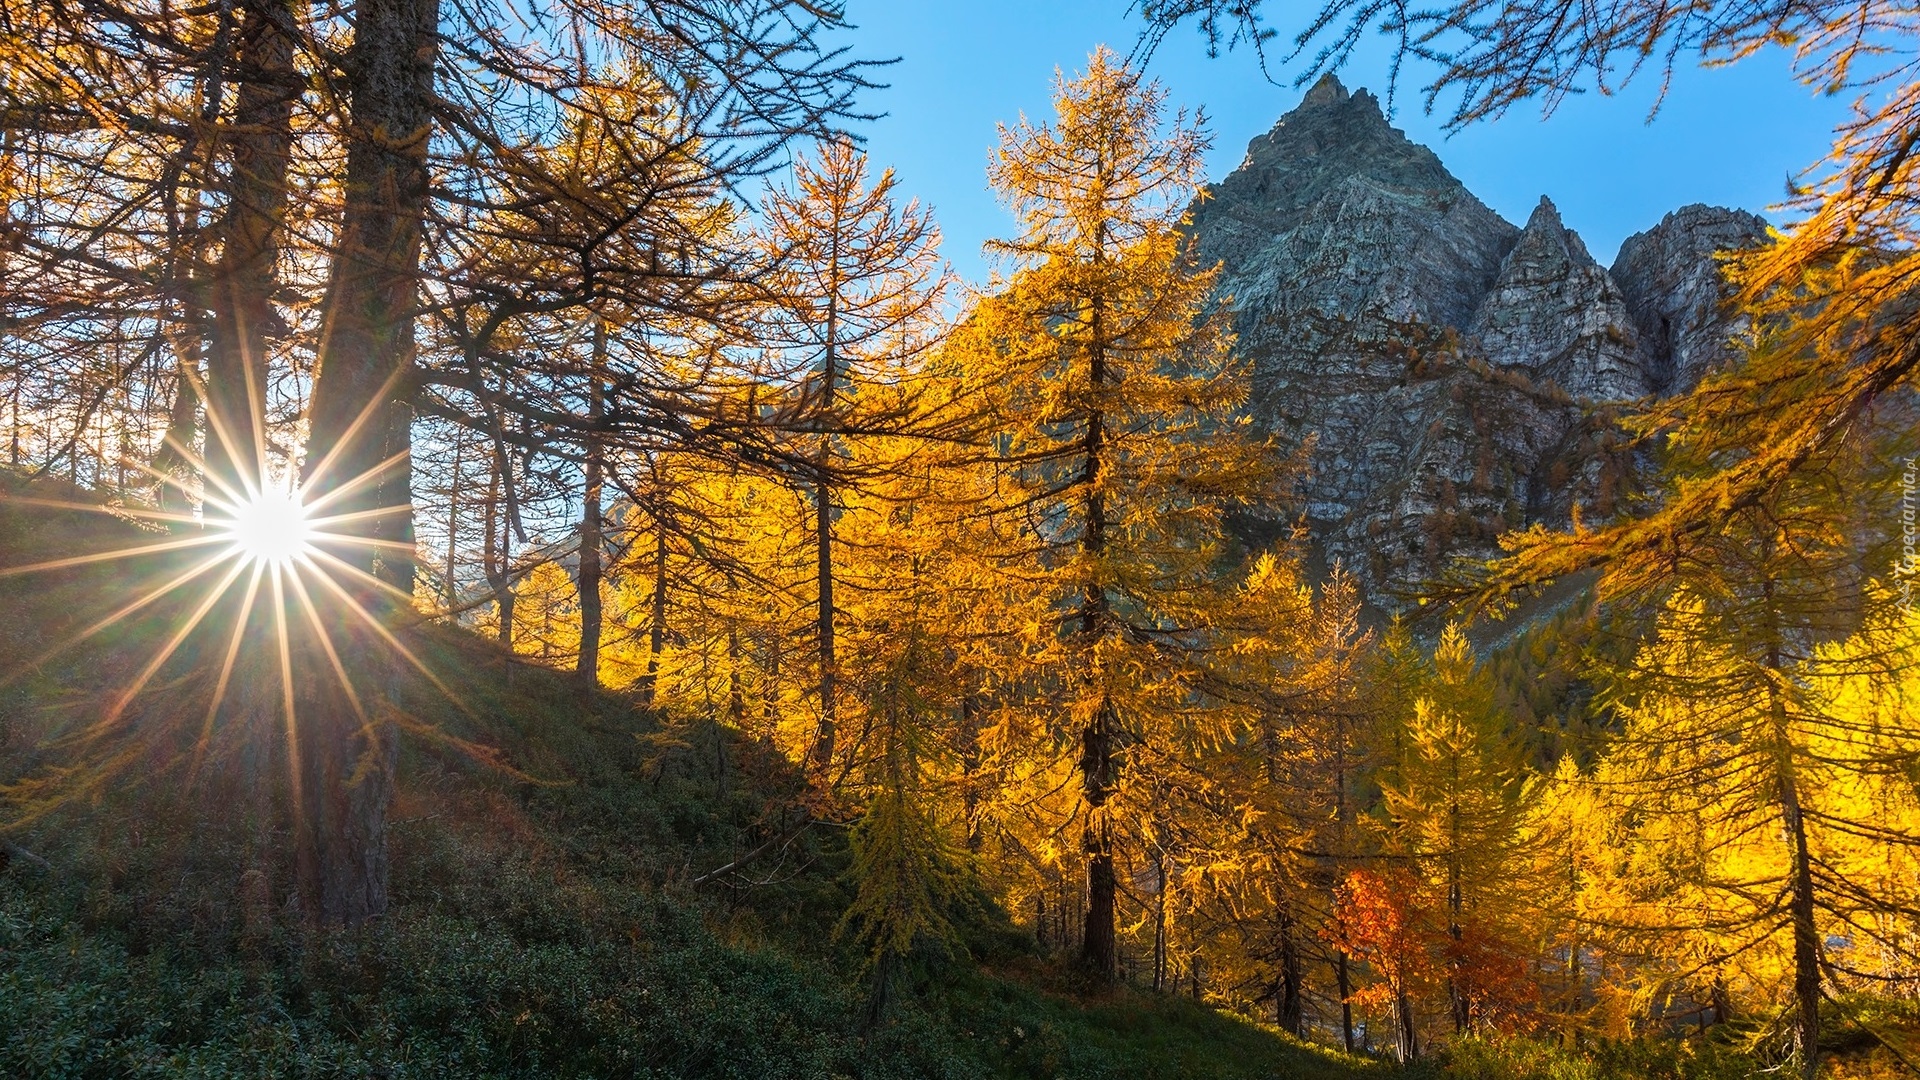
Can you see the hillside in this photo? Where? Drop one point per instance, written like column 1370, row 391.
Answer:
column 544, row 922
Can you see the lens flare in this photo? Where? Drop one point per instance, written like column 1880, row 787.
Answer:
column 271, row 528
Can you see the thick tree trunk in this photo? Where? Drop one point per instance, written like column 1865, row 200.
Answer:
column 361, row 417
column 590, row 543
column 1098, row 951
column 360, row 429
column 246, row 276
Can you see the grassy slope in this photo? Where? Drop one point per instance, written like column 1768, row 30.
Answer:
column 539, row 929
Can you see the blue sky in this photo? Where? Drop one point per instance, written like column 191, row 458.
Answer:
column 1729, row 136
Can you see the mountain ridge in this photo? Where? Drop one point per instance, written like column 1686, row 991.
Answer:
column 1459, row 374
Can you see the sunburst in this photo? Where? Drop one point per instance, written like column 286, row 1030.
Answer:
column 256, row 542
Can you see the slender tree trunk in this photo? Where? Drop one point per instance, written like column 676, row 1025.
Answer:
column 450, row 582
column 1289, row 1008
column 174, row 458
column 1800, row 886
column 657, row 633
column 496, row 557
column 1343, row 983
column 1097, row 762
column 970, row 763
column 1160, row 924
column 823, row 537
column 590, row 543
column 360, row 426
column 1342, row 978
column 246, row 275
column 1406, row 1040
column 1458, row 995
column 1097, row 950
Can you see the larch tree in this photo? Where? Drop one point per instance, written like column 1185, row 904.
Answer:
column 1452, row 802
column 1748, row 758
column 857, row 296
column 1123, row 444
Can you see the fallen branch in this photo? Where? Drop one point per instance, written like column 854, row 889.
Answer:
column 778, row 841
column 10, row 851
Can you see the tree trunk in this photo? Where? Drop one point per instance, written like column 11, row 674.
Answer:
column 1097, row 951
column 823, row 538
column 361, row 417
column 360, row 428
column 657, row 633
column 1097, row 759
column 1800, row 887
column 175, row 456
column 246, row 276
column 1160, row 924
column 1343, row 982
column 590, row 543
column 1406, row 1041
column 450, row 581
column 1289, row 1009
column 496, row 556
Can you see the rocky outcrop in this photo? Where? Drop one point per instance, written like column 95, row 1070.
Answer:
column 1671, row 278
column 1454, row 372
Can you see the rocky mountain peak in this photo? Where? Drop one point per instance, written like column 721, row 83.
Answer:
column 1326, row 91
column 1444, row 361
column 1546, row 242
column 1670, row 276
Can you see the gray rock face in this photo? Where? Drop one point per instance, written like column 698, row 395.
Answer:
column 1450, row 369
column 1674, row 290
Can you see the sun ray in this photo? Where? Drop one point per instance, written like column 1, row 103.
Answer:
column 141, row 513
column 110, row 556
column 357, row 515
column 375, row 403
column 218, row 424
column 286, row 699
column 139, row 683
column 323, row 555
column 326, row 643
column 226, row 669
column 394, row 641
column 364, row 479
column 198, row 463
column 125, row 610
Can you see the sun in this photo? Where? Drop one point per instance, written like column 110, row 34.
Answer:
column 272, row 528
